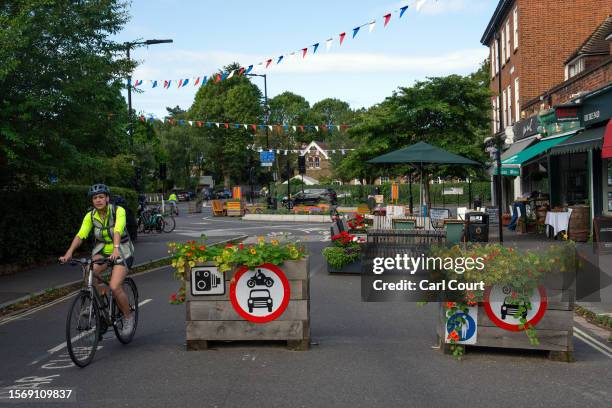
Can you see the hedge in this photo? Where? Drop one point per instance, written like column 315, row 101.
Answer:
column 39, row 223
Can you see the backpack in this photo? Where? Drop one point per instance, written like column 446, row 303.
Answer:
column 130, row 219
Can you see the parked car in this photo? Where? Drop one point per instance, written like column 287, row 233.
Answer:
column 183, row 196
column 312, row 197
column 223, row 194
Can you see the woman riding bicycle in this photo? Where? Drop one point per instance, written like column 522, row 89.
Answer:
column 112, row 242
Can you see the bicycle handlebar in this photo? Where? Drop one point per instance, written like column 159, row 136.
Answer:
column 87, row 261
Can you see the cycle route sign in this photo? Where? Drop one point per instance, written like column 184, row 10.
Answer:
column 260, row 295
column 501, row 310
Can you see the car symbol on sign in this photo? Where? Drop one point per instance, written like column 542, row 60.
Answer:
column 259, row 298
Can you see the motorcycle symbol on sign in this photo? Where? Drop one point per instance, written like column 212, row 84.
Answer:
column 260, row 279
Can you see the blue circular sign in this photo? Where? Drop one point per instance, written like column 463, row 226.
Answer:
column 468, row 328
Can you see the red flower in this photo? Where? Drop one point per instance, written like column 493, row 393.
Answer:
column 241, row 246
column 189, row 254
column 453, row 335
column 173, row 297
column 202, row 248
column 450, row 305
column 229, row 246
column 193, row 248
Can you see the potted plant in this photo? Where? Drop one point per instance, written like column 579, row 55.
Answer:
column 217, row 316
column 344, row 255
column 520, row 273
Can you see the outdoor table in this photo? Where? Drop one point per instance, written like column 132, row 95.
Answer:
column 559, row 221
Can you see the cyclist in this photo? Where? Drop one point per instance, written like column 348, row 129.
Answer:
column 112, row 242
column 172, row 201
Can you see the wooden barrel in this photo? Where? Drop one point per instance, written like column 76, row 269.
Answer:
column 579, row 223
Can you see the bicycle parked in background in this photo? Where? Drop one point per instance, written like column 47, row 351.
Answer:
column 91, row 314
column 151, row 219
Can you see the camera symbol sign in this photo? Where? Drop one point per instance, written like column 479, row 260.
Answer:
column 207, row 280
column 260, row 295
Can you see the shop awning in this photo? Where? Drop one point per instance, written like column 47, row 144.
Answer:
column 606, row 150
column 529, row 153
column 518, row 147
column 581, row 142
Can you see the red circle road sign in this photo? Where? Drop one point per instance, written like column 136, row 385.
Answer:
column 260, row 295
column 502, row 313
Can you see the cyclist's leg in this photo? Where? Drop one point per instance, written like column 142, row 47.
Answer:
column 98, row 269
column 116, row 284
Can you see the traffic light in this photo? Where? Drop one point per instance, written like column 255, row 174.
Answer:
column 302, row 164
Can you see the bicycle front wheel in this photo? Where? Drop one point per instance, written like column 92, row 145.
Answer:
column 130, row 290
column 169, row 223
column 83, row 329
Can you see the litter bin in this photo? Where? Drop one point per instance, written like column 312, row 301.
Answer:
column 477, row 227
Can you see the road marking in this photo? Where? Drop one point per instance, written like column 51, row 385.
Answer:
column 62, row 345
column 593, row 345
column 600, row 344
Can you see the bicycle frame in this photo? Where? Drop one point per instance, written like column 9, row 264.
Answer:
column 108, row 311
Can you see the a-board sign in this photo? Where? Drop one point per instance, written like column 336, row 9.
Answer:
column 493, row 214
column 603, row 234
column 439, row 213
column 260, row 295
column 498, row 303
column 465, row 325
column 207, row 280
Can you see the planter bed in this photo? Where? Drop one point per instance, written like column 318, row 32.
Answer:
column 352, row 268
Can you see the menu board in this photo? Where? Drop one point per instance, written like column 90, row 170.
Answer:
column 603, row 234
column 493, row 214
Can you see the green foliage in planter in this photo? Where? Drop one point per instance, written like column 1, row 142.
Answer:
column 338, row 257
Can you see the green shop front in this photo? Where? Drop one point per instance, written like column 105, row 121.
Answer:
column 581, row 166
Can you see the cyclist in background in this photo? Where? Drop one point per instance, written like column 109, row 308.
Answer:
column 173, row 201
column 112, row 241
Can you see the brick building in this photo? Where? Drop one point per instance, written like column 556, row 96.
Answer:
column 318, row 163
column 534, row 40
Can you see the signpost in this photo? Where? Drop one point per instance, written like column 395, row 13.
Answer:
column 266, row 158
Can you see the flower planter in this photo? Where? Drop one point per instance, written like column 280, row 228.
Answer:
column 213, row 318
column 354, row 268
column 554, row 330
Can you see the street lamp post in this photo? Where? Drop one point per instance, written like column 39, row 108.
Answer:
column 128, row 46
column 267, row 117
column 499, row 142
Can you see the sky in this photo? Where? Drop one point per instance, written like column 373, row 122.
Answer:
column 442, row 37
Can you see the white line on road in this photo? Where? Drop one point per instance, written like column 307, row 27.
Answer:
column 600, row 344
column 62, row 345
column 593, row 345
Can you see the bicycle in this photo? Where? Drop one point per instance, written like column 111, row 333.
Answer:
column 151, row 220
column 91, row 314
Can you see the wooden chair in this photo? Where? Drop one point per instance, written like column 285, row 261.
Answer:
column 217, row 208
column 454, row 231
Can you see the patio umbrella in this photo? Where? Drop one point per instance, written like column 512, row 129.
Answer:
column 420, row 154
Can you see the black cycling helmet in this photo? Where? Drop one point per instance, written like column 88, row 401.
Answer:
column 98, row 189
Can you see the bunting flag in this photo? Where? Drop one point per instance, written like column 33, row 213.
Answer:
column 199, row 81
column 245, row 126
column 300, row 151
column 387, row 18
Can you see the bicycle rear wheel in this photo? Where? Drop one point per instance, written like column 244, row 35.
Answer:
column 82, row 329
column 169, row 223
column 131, row 291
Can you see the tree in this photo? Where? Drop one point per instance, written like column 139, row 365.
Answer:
column 234, row 100
column 61, row 109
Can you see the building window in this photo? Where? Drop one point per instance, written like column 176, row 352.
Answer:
column 310, row 162
column 317, row 162
column 517, row 105
column 493, row 64
column 509, row 105
column 574, row 68
column 495, row 51
column 515, row 22
column 493, row 116
column 505, row 108
column 503, row 46
column 508, row 40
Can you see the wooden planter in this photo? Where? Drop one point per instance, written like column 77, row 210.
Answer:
column 353, row 267
column 554, row 330
column 213, row 318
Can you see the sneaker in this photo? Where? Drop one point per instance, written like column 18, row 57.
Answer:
column 128, row 325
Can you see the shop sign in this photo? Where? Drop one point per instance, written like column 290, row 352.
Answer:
column 511, row 171
column 597, row 109
column 526, row 128
column 567, row 114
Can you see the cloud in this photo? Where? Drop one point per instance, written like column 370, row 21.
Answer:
column 435, row 7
